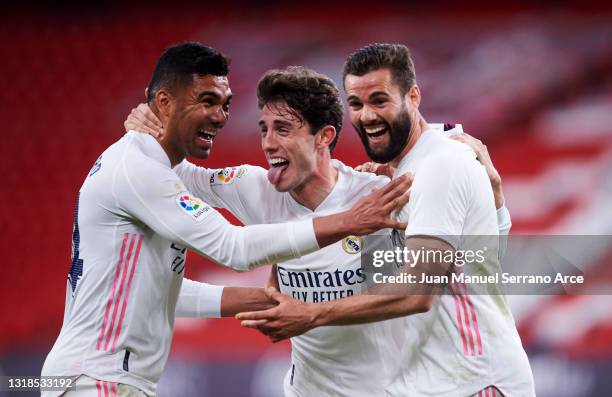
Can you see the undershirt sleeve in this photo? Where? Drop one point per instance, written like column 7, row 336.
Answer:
column 198, row 299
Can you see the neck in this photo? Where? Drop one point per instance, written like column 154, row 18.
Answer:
column 417, row 130
column 313, row 191
column 167, row 141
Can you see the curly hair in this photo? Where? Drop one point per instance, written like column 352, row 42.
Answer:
column 311, row 97
column 395, row 57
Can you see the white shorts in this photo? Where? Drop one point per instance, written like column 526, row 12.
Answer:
column 85, row 386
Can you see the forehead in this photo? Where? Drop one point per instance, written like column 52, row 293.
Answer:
column 217, row 85
column 379, row 80
column 279, row 111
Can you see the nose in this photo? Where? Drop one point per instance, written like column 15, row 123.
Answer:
column 219, row 117
column 368, row 115
column 269, row 144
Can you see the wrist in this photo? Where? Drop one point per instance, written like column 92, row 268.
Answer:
column 498, row 193
column 317, row 315
column 345, row 224
column 499, row 200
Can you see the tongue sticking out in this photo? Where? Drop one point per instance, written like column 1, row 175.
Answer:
column 274, row 173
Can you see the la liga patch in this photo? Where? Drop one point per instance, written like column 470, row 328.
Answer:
column 193, row 206
column 226, row 176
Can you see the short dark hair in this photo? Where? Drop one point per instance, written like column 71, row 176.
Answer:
column 313, row 97
column 395, row 57
column 179, row 63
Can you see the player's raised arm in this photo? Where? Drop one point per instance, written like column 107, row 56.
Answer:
column 156, row 197
column 371, row 213
column 504, row 222
column 482, row 154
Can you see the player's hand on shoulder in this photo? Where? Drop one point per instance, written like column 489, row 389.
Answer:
column 482, row 154
column 376, row 168
column 373, row 212
column 142, row 119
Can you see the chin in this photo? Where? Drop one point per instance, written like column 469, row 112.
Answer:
column 282, row 188
column 200, row 154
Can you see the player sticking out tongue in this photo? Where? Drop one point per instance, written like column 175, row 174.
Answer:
column 278, row 166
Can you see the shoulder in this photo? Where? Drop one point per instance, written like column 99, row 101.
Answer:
column 357, row 180
column 240, row 176
column 447, row 155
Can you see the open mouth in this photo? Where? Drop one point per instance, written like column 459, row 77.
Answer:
column 374, row 132
column 278, row 162
column 207, row 135
column 277, row 166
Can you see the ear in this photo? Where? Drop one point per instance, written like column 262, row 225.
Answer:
column 325, row 137
column 165, row 104
column 413, row 96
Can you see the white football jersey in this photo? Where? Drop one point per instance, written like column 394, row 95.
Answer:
column 466, row 342
column 330, row 361
column 134, row 220
column 356, row 360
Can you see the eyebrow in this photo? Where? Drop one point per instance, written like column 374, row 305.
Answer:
column 283, row 123
column 209, row 93
column 215, row 95
column 277, row 123
column 378, row 93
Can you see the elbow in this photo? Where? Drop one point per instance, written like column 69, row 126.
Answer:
column 240, row 266
column 423, row 304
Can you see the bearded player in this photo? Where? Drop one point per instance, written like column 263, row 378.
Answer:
column 301, row 117
column 462, row 344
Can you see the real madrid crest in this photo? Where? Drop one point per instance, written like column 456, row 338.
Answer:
column 352, row 244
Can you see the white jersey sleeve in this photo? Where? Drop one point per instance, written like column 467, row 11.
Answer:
column 239, row 189
column 199, row 299
column 155, row 196
column 439, row 198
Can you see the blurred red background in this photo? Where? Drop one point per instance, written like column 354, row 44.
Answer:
column 535, row 84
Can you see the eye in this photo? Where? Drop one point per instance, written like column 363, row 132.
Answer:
column 355, row 105
column 380, row 102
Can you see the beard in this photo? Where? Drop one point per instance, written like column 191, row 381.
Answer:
column 399, row 132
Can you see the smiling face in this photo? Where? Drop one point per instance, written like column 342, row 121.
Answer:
column 380, row 114
column 289, row 146
column 196, row 113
